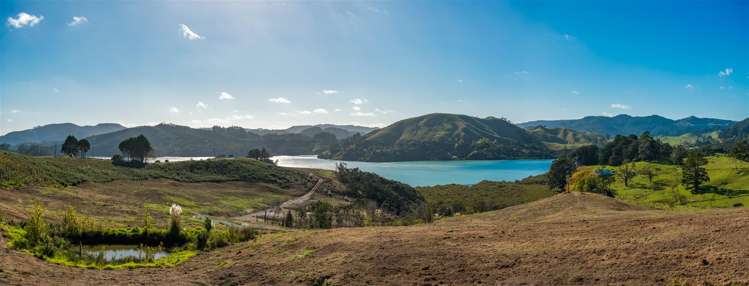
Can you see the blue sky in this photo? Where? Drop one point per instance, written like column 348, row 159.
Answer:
column 277, row 64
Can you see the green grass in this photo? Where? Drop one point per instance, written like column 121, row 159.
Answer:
column 483, row 196
column 728, row 186
column 17, row 171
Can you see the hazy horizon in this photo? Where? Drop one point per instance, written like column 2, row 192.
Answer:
column 278, row 64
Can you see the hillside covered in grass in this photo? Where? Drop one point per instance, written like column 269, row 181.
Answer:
column 728, row 185
column 19, row 171
column 440, row 136
column 447, row 200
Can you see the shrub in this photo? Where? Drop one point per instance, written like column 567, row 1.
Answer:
column 586, row 180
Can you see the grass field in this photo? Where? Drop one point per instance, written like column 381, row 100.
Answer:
column 484, row 196
column 728, row 186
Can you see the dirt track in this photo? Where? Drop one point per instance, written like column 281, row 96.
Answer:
column 567, row 239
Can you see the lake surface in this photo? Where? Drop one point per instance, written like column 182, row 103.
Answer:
column 428, row 173
column 120, row 253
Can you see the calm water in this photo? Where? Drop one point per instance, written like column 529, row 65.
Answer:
column 427, row 173
column 115, row 253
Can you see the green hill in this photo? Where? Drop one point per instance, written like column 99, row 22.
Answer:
column 175, row 140
column 728, row 186
column 441, row 136
column 624, row 125
column 738, row 131
column 56, row 133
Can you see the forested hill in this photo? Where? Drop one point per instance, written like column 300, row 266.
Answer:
column 738, row 131
column 56, row 133
column 625, row 124
column 567, row 136
column 441, row 136
column 175, row 140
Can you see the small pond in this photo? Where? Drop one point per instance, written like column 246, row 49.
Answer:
column 117, row 253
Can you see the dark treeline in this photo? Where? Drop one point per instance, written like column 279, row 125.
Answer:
column 625, row 149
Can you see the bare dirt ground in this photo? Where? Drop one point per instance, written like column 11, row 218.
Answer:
column 568, row 239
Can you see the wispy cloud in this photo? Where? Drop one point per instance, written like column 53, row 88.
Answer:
column 173, row 109
column 359, row 101
column 78, row 20
column 568, row 37
column 320, row 111
column 521, row 73
column 575, row 92
column 608, row 114
column 689, row 86
column 620, row 106
column 356, row 108
column 222, row 121
column 329, row 91
column 725, row 73
column 225, row 96
column 363, row 114
column 280, row 100
column 15, row 111
column 383, row 111
column 200, row 105
column 24, row 19
column 187, row 33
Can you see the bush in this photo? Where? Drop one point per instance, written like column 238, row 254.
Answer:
column 587, row 180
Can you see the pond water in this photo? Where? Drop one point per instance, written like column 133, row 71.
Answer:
column 427, row 173
column 118, row 253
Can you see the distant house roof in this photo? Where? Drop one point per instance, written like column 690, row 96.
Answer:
column 605, row 172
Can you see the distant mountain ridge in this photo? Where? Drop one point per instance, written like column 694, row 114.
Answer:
column 566, row 136
column 441, row 136
column 340, row 131
column 56, row 133
column 176, row 140
column 624, row 125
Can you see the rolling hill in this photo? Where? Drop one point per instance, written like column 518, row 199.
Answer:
column 56, row 133
column 175, row 140
column 624, row 125
column 442, row 136
column 340, row 131
column 566, row 136
column 738, row 131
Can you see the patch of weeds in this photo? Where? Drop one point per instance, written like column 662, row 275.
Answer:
column 306, row 252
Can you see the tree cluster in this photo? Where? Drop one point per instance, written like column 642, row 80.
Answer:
column 624, row 149
column 73, row 147
column 135, row 150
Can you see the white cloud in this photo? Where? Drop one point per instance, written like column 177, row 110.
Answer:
column 320, row 111
column 14, row 111
column 242, row 117
column 78, row 20
column 201, row 105
column 280, row 100
column 329, row 91
column 607, row 114
column 725, row 73
column 305, row 112
column 575, row 92
column 356, row 108
column 187, row 33
column 359, row 101
column 24, row 19
column 337, row 110
column 9, row 120
column 460, row 81
column 225, row 96
column 383, row 111
column 56, row 90
column 620, row 106
column 568, row 37
column 224, row 121
column 689, row 86
column 363, row 114
column 173, row 109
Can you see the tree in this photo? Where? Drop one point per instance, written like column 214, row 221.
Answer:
column 254, row 154
column 647, row 171
column 740, row 150
column 84, row 146
column 586, row 155
column 626, row 173
column 678, row 154
column 559, row 172
column 70, row 147
column 692, row 172
column 136, row 148
column 288, row 220
column 587, row 180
